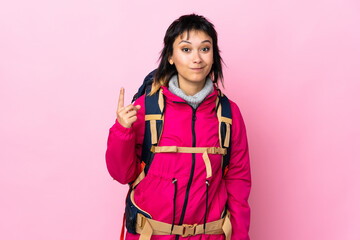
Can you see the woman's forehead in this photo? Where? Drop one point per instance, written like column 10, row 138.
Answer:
column 192, row 32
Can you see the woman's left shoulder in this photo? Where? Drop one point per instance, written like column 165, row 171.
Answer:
column 235, row 110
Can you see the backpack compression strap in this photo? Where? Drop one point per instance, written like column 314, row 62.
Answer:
column 225, row 121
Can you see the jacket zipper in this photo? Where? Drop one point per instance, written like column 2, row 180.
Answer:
column 192, row 165
column 192, row 170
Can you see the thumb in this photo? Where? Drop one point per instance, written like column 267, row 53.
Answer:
column 138, row 107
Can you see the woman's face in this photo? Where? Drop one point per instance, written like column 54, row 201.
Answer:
column 193, row 57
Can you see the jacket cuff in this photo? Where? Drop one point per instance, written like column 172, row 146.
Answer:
column 120, row 128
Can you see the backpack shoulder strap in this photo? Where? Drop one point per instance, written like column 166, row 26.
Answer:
column 154, row 122
column 148, row 80
column 223, row 111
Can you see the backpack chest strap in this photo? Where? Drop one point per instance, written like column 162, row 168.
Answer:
column 173, row 149
column 204, row 150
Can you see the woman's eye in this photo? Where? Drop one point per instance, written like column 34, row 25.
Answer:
column 205, row 49
column 185, row 49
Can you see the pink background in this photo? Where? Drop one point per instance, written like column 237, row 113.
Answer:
column 292, row 67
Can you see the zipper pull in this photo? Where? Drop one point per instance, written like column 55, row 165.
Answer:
column 194, row 116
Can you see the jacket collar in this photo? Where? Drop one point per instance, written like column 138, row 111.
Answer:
column 172, row 97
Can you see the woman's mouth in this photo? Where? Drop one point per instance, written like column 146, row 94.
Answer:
column 197, row 69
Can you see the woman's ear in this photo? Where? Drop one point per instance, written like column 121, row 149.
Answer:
column 171, row 61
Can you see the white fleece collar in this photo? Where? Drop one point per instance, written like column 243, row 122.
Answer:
column 195, row 100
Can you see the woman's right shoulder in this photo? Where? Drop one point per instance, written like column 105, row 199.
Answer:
column 140, row 101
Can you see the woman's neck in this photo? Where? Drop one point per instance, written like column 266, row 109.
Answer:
column 190, row 88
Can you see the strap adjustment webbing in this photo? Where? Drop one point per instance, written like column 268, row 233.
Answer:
column 152, row 118
column 228, row 122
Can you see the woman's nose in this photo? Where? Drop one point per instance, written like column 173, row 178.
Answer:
column 196, row 57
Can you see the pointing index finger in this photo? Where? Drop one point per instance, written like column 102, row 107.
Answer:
column 121, row 98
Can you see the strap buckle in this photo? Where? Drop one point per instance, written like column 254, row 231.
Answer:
column 188, row 230
column 141, row 220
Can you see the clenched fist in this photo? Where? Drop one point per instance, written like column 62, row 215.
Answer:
column 126, row 116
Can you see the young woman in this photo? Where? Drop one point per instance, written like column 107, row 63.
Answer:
column 185, row 192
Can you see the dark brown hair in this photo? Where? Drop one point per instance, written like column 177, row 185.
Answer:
column 186, row 23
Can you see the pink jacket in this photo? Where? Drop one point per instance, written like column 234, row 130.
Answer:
column 155, row 193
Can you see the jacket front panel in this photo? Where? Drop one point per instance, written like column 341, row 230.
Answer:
column 185, row 127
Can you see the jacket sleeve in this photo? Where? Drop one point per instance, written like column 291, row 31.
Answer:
column 124, row 148
column 238, row 178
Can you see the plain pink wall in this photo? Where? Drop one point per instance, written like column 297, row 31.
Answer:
column 292, row 67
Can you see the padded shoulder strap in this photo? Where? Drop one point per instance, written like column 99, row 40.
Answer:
column 225, row 122
column 154, row 121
